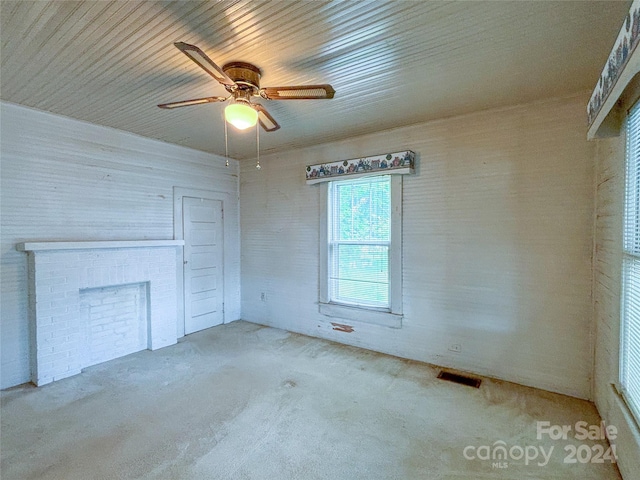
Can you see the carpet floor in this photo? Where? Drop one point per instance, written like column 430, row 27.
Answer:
column 242, row 401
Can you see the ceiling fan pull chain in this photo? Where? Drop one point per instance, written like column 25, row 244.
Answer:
column 258, row 146
column 226, row 143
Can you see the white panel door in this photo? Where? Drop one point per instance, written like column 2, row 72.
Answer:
column 203, row 260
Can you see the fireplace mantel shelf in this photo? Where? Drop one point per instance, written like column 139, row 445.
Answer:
column 88, row 245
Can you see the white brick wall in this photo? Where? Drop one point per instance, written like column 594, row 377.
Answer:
column 67, row 180
column 69, row 333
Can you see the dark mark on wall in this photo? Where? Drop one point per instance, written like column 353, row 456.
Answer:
column 339, row 327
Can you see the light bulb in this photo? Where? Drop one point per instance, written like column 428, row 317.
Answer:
column 240, row 115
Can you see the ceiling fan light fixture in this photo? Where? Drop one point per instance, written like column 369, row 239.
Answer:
column 240, row 115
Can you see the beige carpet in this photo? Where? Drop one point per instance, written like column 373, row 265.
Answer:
column 242, row 401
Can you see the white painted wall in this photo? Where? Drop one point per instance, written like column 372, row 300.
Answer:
column 610, row 161
column 68, row 180
column 498, row 231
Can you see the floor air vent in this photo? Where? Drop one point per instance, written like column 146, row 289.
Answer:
column 461, row 379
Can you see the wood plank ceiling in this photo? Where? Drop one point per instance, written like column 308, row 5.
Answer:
column 391, row 63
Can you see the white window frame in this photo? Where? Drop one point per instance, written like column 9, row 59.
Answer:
column 630, row 254
column 390, row 317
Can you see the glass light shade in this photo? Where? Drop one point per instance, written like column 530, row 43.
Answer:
column 240, row 115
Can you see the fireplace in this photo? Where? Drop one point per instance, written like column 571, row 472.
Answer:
column 114, row 320
column 90, row 302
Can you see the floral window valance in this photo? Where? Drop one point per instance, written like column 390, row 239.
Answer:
column 399, row 163
column 619, row 72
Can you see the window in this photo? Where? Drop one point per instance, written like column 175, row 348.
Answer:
column 362, row 258
column 359, row 241
column 630, row 331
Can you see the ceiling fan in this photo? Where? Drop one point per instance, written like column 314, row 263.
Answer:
column 242, row 81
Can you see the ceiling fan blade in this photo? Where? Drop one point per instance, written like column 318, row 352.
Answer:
column 267, row 122
column 195, row 101
column 301, row 92
column 198, row 56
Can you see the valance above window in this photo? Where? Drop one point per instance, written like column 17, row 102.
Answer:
column 399, row 163
column 619, row 84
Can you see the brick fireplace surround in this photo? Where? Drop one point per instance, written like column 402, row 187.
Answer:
column 61, row 277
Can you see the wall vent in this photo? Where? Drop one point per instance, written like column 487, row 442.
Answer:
column 461, row 379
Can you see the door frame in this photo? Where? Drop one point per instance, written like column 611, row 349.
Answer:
column 178, row 234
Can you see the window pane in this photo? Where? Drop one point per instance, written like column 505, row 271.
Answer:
column 359, row 240
column 363, row 210
column 630, row 365
column 361, row 274
column 632, row 201
column 630, row 331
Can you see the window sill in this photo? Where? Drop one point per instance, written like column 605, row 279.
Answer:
column 360, row 314
column 630, row 418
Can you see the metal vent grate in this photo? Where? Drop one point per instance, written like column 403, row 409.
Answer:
column 461, row 379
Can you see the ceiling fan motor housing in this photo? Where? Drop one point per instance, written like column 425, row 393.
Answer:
column 245, row 75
